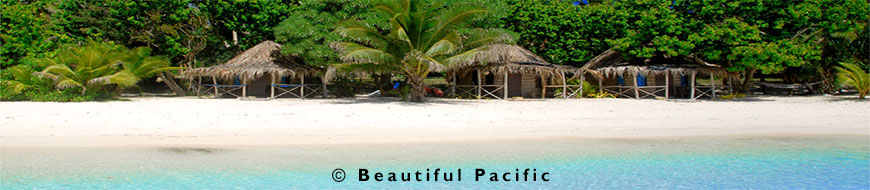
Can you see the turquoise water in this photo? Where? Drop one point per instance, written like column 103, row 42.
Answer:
column 758, row 162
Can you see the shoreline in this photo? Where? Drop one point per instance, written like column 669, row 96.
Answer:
column 229, row 122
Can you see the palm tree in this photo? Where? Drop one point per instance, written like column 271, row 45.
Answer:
column 423, row 37
column 852, row 75
column 98, row 65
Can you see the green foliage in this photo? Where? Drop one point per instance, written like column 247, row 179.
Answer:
column 160, row 24
column 563, row 33
column 423, row 36
column 309, row 29
column 253, row 22
column 852, row 75
column 770, row 36
column 27, row 33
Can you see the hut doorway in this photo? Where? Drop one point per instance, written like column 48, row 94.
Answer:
column 515, row 84
column 260, row 87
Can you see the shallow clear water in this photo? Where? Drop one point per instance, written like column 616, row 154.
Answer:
column 756, row 162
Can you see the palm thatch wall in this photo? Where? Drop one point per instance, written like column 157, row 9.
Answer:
column 264, row 58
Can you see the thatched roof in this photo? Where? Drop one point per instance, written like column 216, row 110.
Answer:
column 264, row 58
column 500, row 58
column 612, row 62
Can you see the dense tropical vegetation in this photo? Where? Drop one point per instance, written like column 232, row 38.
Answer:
column 800, row 41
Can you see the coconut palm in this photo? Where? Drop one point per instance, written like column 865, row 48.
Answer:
column 852, row 75
column 98, row 65
column 423, row 37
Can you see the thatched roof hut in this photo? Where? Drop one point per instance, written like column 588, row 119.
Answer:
column 264, row 58
column 651, row 77
column 502, row 71
column 500, row 58
column 613, row 63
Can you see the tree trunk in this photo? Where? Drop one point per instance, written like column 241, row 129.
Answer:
column 167, row 79
column 381, row 80
column 747, row 81
column 417, row 91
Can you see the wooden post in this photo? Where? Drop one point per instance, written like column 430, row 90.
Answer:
column 543, row 88
column 273, row 86
column 712, row 86
column 667, row 84
column 244, row 87
column 478, row 84
column 582, row 80
column 323, row 84
column 505, row 89
column 214, row 81
column 730, row 84
column 692, row 85
column 302, row 87
column 564, row 85
column 600, row 86
column 636, row 93
column 198, row 85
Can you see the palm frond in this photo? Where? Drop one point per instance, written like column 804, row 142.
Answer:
column 446, row 45
column 122, row 79
column 58, row 70
column 64, row 83
column 356, row 53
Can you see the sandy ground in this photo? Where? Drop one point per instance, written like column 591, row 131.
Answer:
column 192, row 121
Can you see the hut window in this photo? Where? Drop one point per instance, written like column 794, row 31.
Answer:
column 620, row 81
column 237, row 81
column 490, row 79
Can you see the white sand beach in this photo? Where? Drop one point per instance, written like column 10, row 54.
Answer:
column 193, row 121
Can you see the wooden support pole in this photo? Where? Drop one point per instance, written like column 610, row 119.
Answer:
column 478, row 84
column 636, row 93
column 198, row 85
column 600, row 86
column 543, row 88
column 564, row 85
column 667, row 84
column 505, row 89
column 302, row 88
column 214, row 81
column 712, row 87
column 272, row 86
column 692, row 85
column 582, row 80
column 323, row 84
column 730, row 84
column 244, row 87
